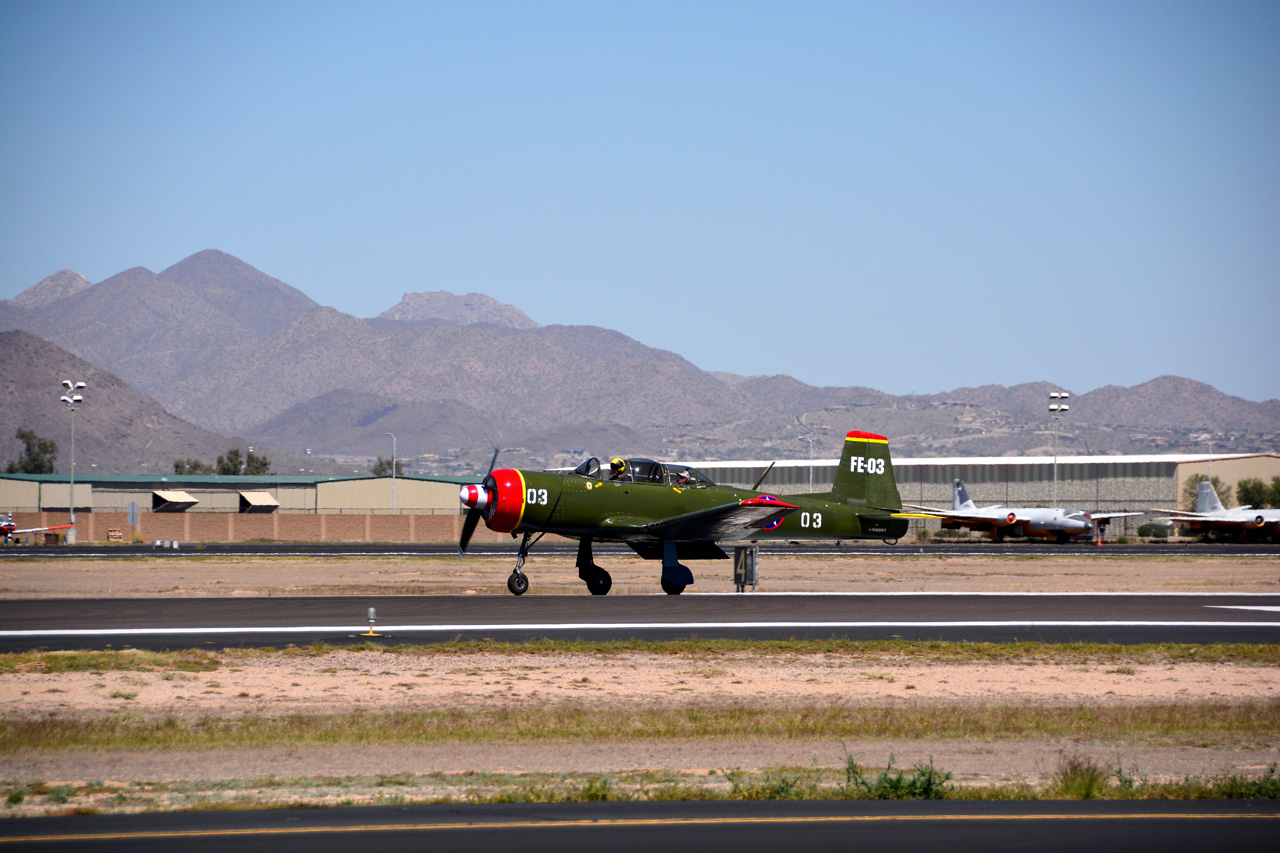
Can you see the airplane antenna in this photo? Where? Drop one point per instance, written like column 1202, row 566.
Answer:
column 756, row 487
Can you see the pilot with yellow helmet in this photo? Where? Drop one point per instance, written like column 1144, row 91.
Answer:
column 618, row 469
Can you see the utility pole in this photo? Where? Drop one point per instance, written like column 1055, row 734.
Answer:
column 1056, row 410
column 393, row 472
column 73, row 401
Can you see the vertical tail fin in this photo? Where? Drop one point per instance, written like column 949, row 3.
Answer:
column 960, row 496
column 865, row 474
column 1207, row 498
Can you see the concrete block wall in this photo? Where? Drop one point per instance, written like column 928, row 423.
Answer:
column 254, row 527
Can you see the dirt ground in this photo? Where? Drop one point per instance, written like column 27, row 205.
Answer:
column 372, row 681
column 225, row 576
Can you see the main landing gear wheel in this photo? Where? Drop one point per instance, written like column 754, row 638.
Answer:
column 599, row 582
column 672, row 588
column 518, row 583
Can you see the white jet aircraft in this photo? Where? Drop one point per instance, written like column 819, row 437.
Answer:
column 1211, row 516
column 1002, row 521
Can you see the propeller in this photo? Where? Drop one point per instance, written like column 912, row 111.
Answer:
column 477, row 498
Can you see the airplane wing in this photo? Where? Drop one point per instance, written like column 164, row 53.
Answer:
column 42, row 529
column 1104, row 516
column 722, row 522
column 1181, row 514
column 989, row 515
column 1256, row 519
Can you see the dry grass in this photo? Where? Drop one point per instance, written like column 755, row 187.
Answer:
column 1200, row 725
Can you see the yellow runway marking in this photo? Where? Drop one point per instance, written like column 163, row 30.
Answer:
column 547, row 824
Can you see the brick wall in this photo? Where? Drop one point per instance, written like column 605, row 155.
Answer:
column 249, row 527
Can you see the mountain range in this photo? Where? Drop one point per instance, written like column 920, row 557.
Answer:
column 231, row 351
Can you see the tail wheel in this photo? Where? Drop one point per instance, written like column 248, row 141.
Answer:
column 518, row 583
column 672, row 588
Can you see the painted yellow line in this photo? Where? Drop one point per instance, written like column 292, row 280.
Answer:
column 623, row 823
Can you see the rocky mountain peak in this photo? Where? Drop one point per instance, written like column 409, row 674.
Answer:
column 468, row 310
column 52, row 289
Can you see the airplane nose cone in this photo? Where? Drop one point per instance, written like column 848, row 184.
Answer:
column 473, row 496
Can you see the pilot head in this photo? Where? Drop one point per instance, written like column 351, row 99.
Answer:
column 617, row 468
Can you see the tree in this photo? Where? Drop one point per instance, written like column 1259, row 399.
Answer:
column 1253, row 492
column 39, row 456
column 257, row 464
column 191, row 466
column 234, row 464
column 382, row 468
column 230, row 464
column 1273, row 493
column 1192, row 486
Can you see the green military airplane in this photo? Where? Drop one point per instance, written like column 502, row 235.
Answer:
column 671, row 512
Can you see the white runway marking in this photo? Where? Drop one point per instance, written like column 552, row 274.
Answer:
column 1267, row 608
column 613, row 626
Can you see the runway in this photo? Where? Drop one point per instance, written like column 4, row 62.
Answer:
column 158, row 623
column 643, row 826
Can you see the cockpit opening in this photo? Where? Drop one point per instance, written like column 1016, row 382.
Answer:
column 644, row 471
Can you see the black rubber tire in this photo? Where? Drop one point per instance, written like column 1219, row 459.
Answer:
column 672, row 588
column 599, row 583
column 518, row 583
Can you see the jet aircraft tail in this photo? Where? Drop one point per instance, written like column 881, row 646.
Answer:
column 960, row 496
column 865, row 475
column 1207, row 498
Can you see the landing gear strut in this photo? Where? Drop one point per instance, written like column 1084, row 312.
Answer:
column 518, row 583
column 597, row 579
column 675, row 577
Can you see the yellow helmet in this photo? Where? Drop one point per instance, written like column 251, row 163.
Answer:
column 617, row 466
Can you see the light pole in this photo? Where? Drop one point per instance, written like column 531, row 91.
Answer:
column 393, row 472
column 1057, row 408
column 73, row 400
column 810, row 440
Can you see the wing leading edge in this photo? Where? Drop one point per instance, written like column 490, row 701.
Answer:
column 727, row 521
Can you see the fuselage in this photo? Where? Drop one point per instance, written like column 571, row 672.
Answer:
column 579, row 504
column 1026, row 521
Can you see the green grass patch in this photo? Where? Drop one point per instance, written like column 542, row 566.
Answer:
column 1205, row 724
column 1076, row 778
column 1264, row 654
column 190, row 660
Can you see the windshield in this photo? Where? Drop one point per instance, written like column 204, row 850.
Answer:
column 687, row 477
column 590, row 468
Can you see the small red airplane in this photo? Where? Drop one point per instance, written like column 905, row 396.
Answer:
column 10, row 530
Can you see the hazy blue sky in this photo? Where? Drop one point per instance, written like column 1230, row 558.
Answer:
column 910, row 196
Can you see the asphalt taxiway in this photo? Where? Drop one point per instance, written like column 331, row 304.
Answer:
column 766, row 826
column 161, row 623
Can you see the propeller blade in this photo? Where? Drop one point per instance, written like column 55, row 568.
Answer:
column 468, row 528
column 474, row 514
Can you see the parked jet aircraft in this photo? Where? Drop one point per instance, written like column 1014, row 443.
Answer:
column 1002, row 521
column 672, row 512
column 9, row 530
column 1211, row 516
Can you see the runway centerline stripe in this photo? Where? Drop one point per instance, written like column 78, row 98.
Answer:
column 539, row 824
column 619, row 626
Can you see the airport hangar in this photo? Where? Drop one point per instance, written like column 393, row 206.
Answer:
column 413, row 508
